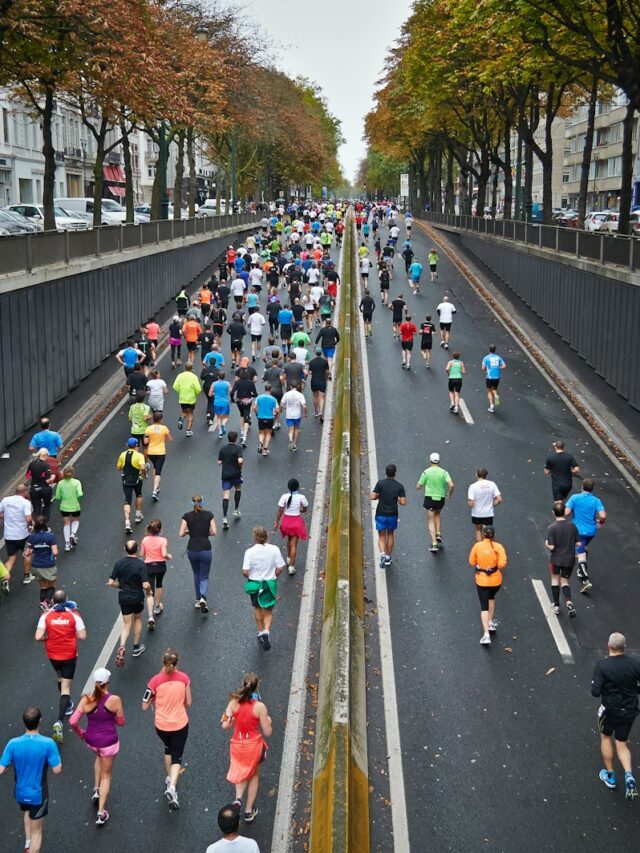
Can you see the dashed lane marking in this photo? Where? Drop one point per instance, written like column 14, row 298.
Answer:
column 552, row 621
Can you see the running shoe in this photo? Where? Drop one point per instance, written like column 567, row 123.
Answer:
column 139, row 517
column 249, row 817
column 243, row 441
column 70, row 709
column 383, row 561
column 28, row 578
column 58, row 732
column 266, row 641
column 73, row 539
column 496, row 400
column 157, row 610
column 571, row 609
column 171, row 796
column 260, row 448
column 151, row 624
column 67, row 546
column 294, row 447
column 630, row 788
column 586, row 585
column 439, row 539
column 292, row 569
column 4, row 586
column 237, row 804
column 290, row 445
column 493, row 626
column 491, row 409
column 265, row 452
column 556, row 609
column 180, row 422
column 138, row 650
column 485, row 640
column 204, row 607
column 609, row 778
column 189, row 433
column 277, row 426
column 95, row 797
column 223, row 430
column 261, row 637
column 225, row 523
column 237, row 513
column 154, row 496
column 197, row 604
column 446, row 346
column 451, row 407
column 442, row 343
column 455, row 410
column 434, row 548
column 102, row 818
column 128, row 528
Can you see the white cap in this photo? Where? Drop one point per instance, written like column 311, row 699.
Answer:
column 435, row 458
column 101, row 676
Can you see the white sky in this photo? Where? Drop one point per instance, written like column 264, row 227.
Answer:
column 315, row 35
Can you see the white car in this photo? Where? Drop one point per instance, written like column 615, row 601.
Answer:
column 610, row 223
column 593, row 221
column 65, row 221
column 112, row 213
column 209, row 208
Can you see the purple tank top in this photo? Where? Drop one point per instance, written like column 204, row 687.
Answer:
column 101, row 725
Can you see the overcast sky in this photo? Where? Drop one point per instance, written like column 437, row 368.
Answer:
column 314, row 35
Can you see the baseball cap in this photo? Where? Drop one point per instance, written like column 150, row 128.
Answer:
column 132, row 442
column 101, row 676
column 318, row 350
column 435, row 458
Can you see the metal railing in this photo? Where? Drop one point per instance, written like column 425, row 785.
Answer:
column 609, row 249
column 27, row 252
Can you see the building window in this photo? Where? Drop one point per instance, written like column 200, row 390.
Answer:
column 565, row 178
column 614, row 167
column 25, row 186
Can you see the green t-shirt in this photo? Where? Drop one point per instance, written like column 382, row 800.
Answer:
column 455, row 370
column 69, row 492
column 432, row 257
column 138, row 414
column 187, row 386
column 435, row 481
column 301, row 339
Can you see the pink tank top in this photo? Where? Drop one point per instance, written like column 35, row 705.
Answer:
column 247, row 725
column 101, row 725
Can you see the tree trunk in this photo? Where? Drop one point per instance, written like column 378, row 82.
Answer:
column 527, row 195
column 193, row 178
column 128, row 173
column 49, row 180
column 547, row 169
column 508, row 174
column 219, row 174
column 155, row 192
column 179, row 178
column 587, row 151
column 494, row 192
column 449, row 201
column 98, row 174
column 626, row 191
column 483, row 180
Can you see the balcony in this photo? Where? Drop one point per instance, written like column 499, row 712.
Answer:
column 59, row 156
column 113, row 157
column 70, row 151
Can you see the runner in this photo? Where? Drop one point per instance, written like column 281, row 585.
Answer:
column 191, row 332
column 60, row 628
column 399, row 309
column 154, row 551
column 365, row 266
column 615, row 682
column 289, row 518
column 407, row 332
column 367, row 307
column 129, row 577
column 40, row 556
column 129, row 356
column 385, row 282
column 205, row 296
column 236, row 331
column 220, row 402
column 156, row 436
column 41, row 479
column 157, row 390
column 175, row 341
column 267, row 410
column 134, row 471
column 139, row 414
column 182, row 302
column 230, row 458
column 170, row 694
column 432, row 260
column 493, row 365
column 294, row 407
column 206, row 339
column 136, row 381
column 187, row 386
column 319, row 373
column 388, row 493
column 31, row 755
column 482, row 497
column 488, row 558
column 455, row 370
column 407, row 254
column 199, row 525
column 262, row 564
column 328, row 338
column 51, row 440
column 68, row 492
column 561, row 539
column 247, row 714
column 256, row 324
column 588, row 515
column 562, row 467
column 427, row 328
column 414, row 272
column 445, row 311
column 105, row 713
column 229, row 823
column 438, row 486
column 243, row 393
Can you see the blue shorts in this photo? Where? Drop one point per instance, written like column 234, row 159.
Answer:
column 581, row 547
column 386, row 522
column 293, row 422
column 329, row 353
column 415, row 279
column 221, row 410
column 227, row 485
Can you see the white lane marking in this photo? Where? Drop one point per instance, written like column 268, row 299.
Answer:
column 390, row 698
column 105, row 654
column 466, row 414
column 552, row 621
column 285, row 804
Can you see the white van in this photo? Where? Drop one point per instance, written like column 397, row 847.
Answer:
column 112, row 212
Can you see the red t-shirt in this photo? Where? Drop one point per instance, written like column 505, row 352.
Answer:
column 153, row 331
column 61, row 627
column 407, row 331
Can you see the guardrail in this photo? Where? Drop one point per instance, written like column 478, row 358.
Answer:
column 614, row 249
column 340, row 795
column 27, row 252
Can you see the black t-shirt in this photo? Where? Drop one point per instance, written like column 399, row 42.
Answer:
column 560, row 465
column 384, row 278
column 229, row 456
column 136, row 381
column 243, row 389
column 332, row 275
column 427, row 329
column 294, row 371
column 198, row 524
column 40, row 473
column 131, row 573
column 272, row 376
column 408, row 256
column 563, row 535
column 253, row 373
column 144, row 344
column 367, row 305
column 273, row 309
column 207, row 340
column 388, row 491
column 328, row 336
column 298, row 311
column 398, row 307
column 236, row 330
column 223, row 294
column 318, row 368
column 616, row 680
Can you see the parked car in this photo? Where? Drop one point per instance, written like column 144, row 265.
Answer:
column 208, row 208
column 30, row 226
column 610, row 223
column 593, row 221
column 112, row 213
column 634, row 226
column 569, row 219
column 9, row 225
column 65, row 221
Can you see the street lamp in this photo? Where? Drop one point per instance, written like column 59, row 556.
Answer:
column 596, row 157
column 83, row 145
column 162, row 160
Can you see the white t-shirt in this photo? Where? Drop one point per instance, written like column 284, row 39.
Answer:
column 365, row 265
column 264, row 222
column 317, row 292
column 293, row 402
column 255, row 322
column 394, row 231
column 482, row 492
column 301, row 356
column 261, row 561
column 255, row 275
column 237, row 287
column 16, row 509
column 156, row 392
column 297, row 501
column 241, row 252
column 313, row 275
column 446, row 310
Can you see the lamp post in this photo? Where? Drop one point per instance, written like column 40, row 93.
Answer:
column 162, row 159
column 83, row 145
column 234, row 169
column 596, row 157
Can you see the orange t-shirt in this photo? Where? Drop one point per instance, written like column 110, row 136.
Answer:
column 169, row 696
column 205, row 296
column 191, row 330
column 488, row 555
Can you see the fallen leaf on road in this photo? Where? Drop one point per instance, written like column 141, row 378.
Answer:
column 549, row 671
column 507, row 649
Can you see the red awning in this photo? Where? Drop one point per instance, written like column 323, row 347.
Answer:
column 117, row 191
column 114, row 174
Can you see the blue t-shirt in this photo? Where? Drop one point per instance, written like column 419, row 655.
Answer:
column 266, row 406
column 216, row 357
column 285, row 317
column 415, row 270
column 43, row 556
column 129, row 356
column 244, row 275
column 30, row 756
column 239, row 264
column 584, row 507
column 493, row 364
column 252, row 300
column 221, row 391
column 49, row 439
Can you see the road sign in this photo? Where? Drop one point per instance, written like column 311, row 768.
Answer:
column 404, row 184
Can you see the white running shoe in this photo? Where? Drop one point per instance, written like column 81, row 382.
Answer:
column 485, row 640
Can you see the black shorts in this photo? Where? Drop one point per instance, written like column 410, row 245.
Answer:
column 131, row 606
column 619, row 727
column 445, row 327
column 560, row 493
column 239, row 300
column 486, row 594
column 433, row 267
column 192, row 346
column 285, row 331
column 236, row 346
column 433, row 504
column 367, row 317
column 65, row 514
column 485, row 521
column 492, row 383
column 396, row 320
column 563, row 571
column 265, row 423
column 64, row 668
column 253, row 309
column 14, row 545
column 245, row 410
column 157, row 460
column 455, row 385
column 425, row 346
column 130, row 491
column 318, row 386
column 174, row 743
column 205, row 308
column 36, row 812
column 384, row 285
column 187, row 407
column 407, row 345
column 256, row 337
column 139, row 438
column 155, row 574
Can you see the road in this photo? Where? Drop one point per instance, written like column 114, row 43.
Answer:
column 499, row 746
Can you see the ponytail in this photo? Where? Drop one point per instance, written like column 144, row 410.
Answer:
column 99, row 690
column 248, row 688
column 197, row 500
column 170, row 661
column 293, row 485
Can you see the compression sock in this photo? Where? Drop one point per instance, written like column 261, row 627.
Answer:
column 43, row 595
column 67, row 533
column 49, row 591
column 566, row 591
column 555, row 592
column 74, row 527
column 64, row 704
column 225, row 506
column 236, row 499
